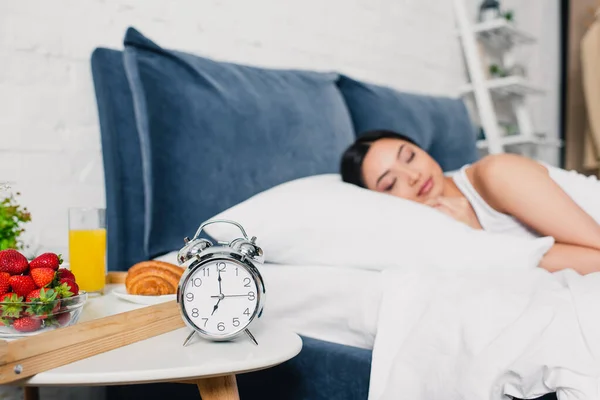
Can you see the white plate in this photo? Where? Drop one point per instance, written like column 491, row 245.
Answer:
column 121, row 293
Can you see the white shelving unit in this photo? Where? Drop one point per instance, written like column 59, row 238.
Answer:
column 501, row 33
column 500, row 36
column 508, row 86
column 516, row 140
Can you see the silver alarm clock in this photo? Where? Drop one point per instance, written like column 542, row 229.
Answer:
column 221, row 291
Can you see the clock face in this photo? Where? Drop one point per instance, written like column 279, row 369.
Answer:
column 220, row 298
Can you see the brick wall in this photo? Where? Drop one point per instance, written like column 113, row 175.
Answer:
column 49, row 134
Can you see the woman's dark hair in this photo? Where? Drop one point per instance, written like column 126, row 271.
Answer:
column 353, row 157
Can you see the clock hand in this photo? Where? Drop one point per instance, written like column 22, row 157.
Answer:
column 220, row 296
column 216, row 305
column 219, row 271
column 231, row 295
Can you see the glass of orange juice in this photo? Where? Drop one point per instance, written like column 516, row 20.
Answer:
column 87, row 248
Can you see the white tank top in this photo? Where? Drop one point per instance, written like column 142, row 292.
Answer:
column 584, row 190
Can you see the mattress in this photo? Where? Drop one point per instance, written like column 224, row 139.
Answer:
column 334, row 304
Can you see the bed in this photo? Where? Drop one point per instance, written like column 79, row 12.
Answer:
column 322, row 302
column 148, row 220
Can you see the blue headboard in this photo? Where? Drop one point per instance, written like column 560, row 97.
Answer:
column 314, row 134
column 122, row 161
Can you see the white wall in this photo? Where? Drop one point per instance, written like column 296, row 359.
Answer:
column 49, row 134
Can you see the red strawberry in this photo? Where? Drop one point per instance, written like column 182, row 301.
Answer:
column 12, row 305
column 13, row 262
column 42, row 276
column 46, row 260
column 22, row 284
column 4, row 283
column 7, row 297
column 67, row 288
column 64, row 273
column 34, row 295
column 61, row 319
column 64, row 318
column 27, row 324
column 44, row 303
column 41, row 311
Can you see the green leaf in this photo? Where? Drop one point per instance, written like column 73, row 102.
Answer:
column 12, row 306
column 13, row 217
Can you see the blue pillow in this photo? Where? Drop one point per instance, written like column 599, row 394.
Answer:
column 213, row 134
column 439, row 125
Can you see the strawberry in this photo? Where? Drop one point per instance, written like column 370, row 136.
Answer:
column 27, row 324
column 64, row 273
column 46, row 260
column 12, row 305
column 44, row 303
column 8, row 297
column 41, row 294
column 13, row 262
column 67, row 288
column 33, row 295
column 42, row 276
column 61, row 319
column 22, row 284
column 4, row 283
column 64, row 318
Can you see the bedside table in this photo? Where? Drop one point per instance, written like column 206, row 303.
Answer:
column 212, row 366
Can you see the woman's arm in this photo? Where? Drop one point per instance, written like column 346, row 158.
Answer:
column 581, row 259
column 522, row 188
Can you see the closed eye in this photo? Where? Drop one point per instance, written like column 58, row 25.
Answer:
column 390, row 186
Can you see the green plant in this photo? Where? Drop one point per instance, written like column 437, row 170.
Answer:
column 509, row 15
column 497, row 71
column 12, row 219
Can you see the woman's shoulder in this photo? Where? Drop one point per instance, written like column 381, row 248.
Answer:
column 492, row 175
column 498, row 165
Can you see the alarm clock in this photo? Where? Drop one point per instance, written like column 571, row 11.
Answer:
column 221, row 291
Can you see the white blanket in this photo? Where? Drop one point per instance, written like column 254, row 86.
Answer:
column 485, row 335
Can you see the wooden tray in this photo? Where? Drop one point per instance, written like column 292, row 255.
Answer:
column 23, row 358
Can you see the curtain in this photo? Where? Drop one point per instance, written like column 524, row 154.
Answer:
column 590, row 71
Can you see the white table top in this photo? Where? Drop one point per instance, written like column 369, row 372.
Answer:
column 163, row 358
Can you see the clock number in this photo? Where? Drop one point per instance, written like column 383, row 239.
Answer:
column 236, row 322
column 206, row 271
column 247, row 282
column 221, row 266
column 197, row 282
column 221, row 326
column 195, row 313
column 247, row 312
column 205, row 321
column 189, row 296
column 251, row 296
column 236, row 271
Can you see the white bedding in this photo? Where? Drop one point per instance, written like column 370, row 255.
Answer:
column 476, row 335
column 338, row 305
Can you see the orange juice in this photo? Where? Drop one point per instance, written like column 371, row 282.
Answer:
column 87, row 250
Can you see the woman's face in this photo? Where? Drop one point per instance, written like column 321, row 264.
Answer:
column 402, row 169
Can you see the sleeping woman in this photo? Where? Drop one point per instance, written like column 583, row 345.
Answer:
column 503, row 193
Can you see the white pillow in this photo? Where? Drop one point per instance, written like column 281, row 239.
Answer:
column 321, row 220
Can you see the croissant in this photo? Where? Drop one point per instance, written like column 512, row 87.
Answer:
column 153, row 278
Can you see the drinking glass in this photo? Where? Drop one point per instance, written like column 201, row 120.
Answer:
column 87, row 248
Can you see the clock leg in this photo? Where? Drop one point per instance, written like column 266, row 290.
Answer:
column 218, row 388
column 251, row 336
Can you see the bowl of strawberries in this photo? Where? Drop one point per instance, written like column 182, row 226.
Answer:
column 37, row 295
